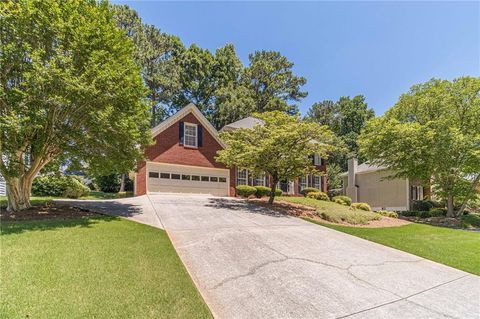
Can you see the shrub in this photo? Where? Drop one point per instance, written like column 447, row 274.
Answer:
column 438, row 212
column 422, row 205
column 108, row 183
column 74, row 188
column 262, row 191
column 424, row 214
column 387, row 213
column 362, row 206
column 59, row 186
column 307, row 190
column 278, row 192
column 340, row 201
column 347, row 200
column 245, row 190
column 409, row 213
column 318, row 195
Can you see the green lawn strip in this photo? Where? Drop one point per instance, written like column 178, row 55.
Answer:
column 456, row 248
column 36, row 200
column 334, row 212
column 93, row 268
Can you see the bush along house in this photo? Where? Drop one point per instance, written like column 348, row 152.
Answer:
column 182, row 160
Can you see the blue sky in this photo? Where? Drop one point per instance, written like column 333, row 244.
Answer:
column 378, row 49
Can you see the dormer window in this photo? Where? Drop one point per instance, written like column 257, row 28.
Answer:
column 317, row 160
column 190, row 138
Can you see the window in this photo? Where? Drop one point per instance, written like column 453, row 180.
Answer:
column 222, row 179
column 175, row 176
column 190, row 135
column 242, row 177
column 205, row 179
column 195, row 178
column 260, row 180
column 416, row 192
column 316, row 182
column 186, row 177
column 317, row 160
column 302, row 180
column 153, row 174
column 213, row 179
column 165, row 175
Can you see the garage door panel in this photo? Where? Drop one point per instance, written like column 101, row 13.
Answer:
column 187, row 179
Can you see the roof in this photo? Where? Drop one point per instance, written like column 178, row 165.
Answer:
column 190, row 108
column 248, row 122
column 366, row 168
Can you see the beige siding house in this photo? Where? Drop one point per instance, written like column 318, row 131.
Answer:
column 369, row 184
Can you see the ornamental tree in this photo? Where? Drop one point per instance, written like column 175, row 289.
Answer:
column 432, row 134
column 68, row 89
column 280, row 147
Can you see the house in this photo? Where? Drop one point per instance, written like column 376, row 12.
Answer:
column 182, row 160
column 369, row 184
column 3, row 186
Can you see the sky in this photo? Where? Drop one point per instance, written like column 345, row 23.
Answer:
column 377, row 49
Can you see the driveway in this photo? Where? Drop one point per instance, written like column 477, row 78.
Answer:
column 249, row 262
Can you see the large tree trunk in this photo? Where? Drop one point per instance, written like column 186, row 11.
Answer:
column 272, row 191
column 18, row 193
column 450, row 211
column 122, row 183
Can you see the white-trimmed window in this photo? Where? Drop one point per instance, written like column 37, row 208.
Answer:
column 260, row 180
column 316, row 182
column 317, row 160
column 242, row 177
column 190, row 135
column 303, row 181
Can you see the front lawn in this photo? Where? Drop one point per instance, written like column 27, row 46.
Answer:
column 100, row 267
column 452, row 247
column 334, row 212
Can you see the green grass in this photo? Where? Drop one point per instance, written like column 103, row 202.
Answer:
column 36, row 200
column 93, row 268
column 334, row 212
column 452, row 247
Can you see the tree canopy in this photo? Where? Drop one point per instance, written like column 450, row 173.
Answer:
column 280, row 147
column 346, row 118
column 432, row 134
column 69, row 89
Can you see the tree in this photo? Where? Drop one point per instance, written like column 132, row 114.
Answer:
column 273, row 83
column 346, row 118
column 432, row 134
column 281, row 147
column 333, row 176
column 158, row 55
column 69, row 88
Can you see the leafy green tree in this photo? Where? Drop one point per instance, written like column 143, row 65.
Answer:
column 274, row 85
column 280, row 147
column 334, row 181
column 346, row 118
column 432, row 134
column 158, row 55
column 69, row 88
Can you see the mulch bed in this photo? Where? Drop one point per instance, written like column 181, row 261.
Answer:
column 46, row 211
column 298, row 210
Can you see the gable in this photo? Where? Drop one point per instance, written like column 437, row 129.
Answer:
column 190, row 108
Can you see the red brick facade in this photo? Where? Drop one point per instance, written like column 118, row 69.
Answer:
column 167, row 149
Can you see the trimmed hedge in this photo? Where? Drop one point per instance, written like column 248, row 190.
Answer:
column 387, row 213
column 362, row 206
column 342, row 199
column 245, row 190
column 59, row 186
column 307, row 190
column 262, row 191
column 318, row 195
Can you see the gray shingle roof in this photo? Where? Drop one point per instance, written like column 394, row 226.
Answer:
column 248, row 122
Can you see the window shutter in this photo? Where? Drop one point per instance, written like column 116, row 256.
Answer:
column 180, row 133
column 200, row 135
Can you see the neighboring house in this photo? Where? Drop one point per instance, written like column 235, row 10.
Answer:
column 3, row 186
column 182, row 160
column 367, row 183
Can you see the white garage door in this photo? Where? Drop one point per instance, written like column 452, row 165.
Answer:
column 187, row 179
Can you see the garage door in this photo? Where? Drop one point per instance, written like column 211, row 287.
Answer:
column 187, row 179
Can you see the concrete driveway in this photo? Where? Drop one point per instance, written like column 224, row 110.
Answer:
column 249, row 262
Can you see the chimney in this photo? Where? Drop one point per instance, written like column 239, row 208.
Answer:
column 351, row 187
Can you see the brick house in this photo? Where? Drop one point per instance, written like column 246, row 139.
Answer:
column 182, row 160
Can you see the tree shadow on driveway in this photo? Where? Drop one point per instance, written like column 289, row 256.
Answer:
column 243, row 206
